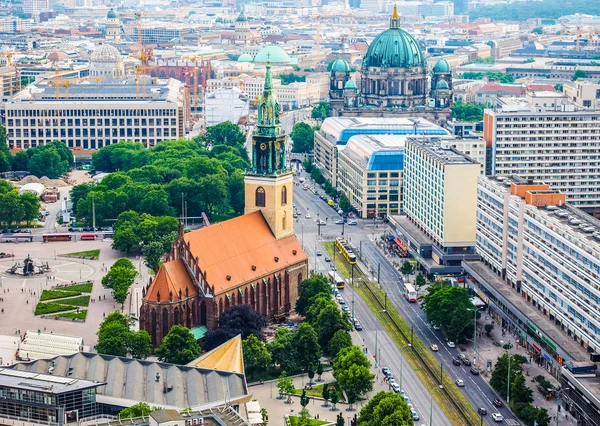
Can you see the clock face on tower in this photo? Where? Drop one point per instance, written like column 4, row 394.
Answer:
column 263, row 146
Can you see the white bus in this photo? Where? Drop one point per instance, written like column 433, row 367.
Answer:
column 410, row 293
column 336, row 279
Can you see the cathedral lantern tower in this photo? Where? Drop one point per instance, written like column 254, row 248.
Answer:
column 269, row 183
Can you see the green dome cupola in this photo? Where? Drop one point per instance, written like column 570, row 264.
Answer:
column 339, row 65
column 442, row 66
column 350, row 85
column 111, row 14
column 442, row 85
column 394, row 48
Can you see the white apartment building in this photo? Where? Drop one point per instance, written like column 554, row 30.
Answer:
column 91, row 116
column 12, row 24
column 474, row 148
column 549, row 253
column 34, row 7
column 370, row 171
column 440, row 199
column 558, row 144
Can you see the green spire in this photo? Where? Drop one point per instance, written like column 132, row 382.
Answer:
column 268, row 89
column 268, row 107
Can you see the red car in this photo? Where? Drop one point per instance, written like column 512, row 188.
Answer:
column 498, row 403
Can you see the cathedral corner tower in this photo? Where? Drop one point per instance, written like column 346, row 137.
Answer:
column 269, row 183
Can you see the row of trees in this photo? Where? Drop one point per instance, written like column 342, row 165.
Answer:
column 500, row 77
column 291, row 78
column 542, row 9
column 450, row 308
column 152, row 234
column 467, row 111
column 521, row 396
column 51, row 160
column 119, row 278
column 15, row 207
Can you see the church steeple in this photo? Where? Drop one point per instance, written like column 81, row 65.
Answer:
column 269, row 146
column 395, row 18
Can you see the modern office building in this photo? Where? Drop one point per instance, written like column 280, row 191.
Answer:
column 226, row 104
column 336, row 131
column 541, row 263
column 34, row 7
column 440, row 198
column 555, row 143
column 370, row 171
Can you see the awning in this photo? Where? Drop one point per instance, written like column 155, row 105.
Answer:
column 548, row 357
column 536, row 347
column 391, row 238
column 400, row 244
column 199, row 332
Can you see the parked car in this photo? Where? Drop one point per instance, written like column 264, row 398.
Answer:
column 345, row 308
column 466, row 362
column 415, row 415
column 456, row 361
column 357, row 326
column 498, row 402
column 475, row 371
column 460, row 383
column 451, row 344
column 396, row 387
column 497, row 417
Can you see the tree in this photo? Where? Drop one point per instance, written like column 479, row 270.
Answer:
column 325, row 393
column 307, row 346
column 351, row 369
column 224, row 133
column 5, row 159
column 303, row 137
column 116, row 338
column 335, row 398
column 141, row 409
column 285, row 385
column 519, row 392
column 558, row 87
column 20, row 161
column 579, row 74
column 385, row 408
column 31, row 206
column 339, row 420
column 153, row 254
column 538, row 30
column 488, row 329
column 550, row 9
column 500, row 372
column 329, row 321
column 319, row 371
column 240, row 319
column 256, row 355
column 236, row 189
column 345, row 203
column 407, row 268
column 467, row 111
column 340, row 340
column 119, row 278
column 283, row 351
column 420, row 280
column 308, row 288
column 304, row 400
column 47, row 162
column 291, row 78
column 450, row 307
column 179, row 346
column 321, row 110
column 310, row 372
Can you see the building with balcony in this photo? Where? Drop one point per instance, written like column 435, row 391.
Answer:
column 540, row 139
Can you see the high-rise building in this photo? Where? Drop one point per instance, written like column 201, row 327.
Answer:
column 440, row 199
column 461, row 7
column 540, row 267
column 34, row 7
column 547, row 139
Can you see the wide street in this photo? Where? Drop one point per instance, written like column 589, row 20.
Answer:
column 362, row 237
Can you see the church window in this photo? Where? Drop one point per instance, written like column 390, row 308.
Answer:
column 260, row 197
column 283, row 196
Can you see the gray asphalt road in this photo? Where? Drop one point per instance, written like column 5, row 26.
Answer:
column 476, row 389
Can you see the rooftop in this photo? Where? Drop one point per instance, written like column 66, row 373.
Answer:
column 376, row 152
column 39, row 382
column 441, row 150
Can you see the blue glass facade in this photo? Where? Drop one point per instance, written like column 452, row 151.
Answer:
column 387, row 160
column 408, row 131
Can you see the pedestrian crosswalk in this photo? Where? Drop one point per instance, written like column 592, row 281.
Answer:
column 512, row 422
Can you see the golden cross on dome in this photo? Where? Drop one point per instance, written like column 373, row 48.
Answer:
column 395, row 18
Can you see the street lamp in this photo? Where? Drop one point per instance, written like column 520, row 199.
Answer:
column 408, row 345
column 508, row 381
column 431, row 403
column 475, row 333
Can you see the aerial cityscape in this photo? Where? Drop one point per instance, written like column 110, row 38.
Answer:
column 320, row 212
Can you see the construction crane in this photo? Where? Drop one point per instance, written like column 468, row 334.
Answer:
column 58, row 82
column 8, row 56
column 144, row 55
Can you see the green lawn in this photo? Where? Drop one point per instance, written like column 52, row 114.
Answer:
column 89, row 254
column 81, row 288
column 317, row 390
column 74, row 315
column 57, row 294
column 51, row 308
column 75, row 301
column 313, row 422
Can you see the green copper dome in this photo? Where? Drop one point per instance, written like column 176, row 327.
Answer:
column 350, row 84
column 111, row 14
column 394, row 48
column 442, row 66
column 442, row 85
column 339, row 65
column 274, row 54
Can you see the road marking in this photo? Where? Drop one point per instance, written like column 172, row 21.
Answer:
column 512, row 422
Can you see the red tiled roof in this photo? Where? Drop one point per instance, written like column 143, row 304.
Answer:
column 171, row 278
column 235, row 247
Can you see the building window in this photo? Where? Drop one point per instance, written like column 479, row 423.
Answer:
column 260, row 197
column 283, row 196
